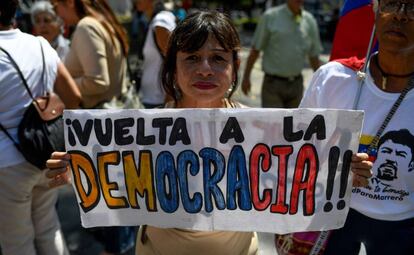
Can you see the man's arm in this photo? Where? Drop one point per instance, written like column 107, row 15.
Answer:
column 315, row 62
column 246, row 84
column 162, row 35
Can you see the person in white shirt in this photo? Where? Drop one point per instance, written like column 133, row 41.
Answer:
column 162, row 22
column 382, row 212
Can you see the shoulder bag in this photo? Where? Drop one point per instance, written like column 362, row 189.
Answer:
column 40, row 132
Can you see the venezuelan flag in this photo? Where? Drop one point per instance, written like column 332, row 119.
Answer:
column 364, row 142
column 353, row 30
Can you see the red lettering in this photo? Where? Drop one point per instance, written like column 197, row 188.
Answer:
column 283, row 153
column 304, row 179
column 260, row 154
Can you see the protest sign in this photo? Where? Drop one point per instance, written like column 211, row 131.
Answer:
column 268, row 170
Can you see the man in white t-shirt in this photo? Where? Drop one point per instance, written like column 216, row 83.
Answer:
column 382, row 213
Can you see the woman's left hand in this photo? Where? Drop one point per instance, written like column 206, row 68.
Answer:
column 361, row 169
column 58, row 171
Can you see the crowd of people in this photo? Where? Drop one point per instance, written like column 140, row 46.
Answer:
column 194, row 63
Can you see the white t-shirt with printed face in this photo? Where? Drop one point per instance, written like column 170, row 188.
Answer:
column 14, row 98
column 390, row 194
column 151, row 90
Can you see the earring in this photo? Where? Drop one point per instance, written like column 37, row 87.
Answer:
column 230, row 90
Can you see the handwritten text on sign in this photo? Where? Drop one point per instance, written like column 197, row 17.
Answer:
column 267, row 170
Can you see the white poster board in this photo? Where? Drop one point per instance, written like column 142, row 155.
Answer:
column 267, row 170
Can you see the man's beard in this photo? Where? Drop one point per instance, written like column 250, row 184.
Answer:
column 387, row 172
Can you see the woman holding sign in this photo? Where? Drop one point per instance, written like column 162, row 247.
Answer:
column 200, row 71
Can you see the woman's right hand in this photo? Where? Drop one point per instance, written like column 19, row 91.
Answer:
column 58, row 171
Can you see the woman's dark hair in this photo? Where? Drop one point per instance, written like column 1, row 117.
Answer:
column 100, row 10
column 191, row 34
column 7, row 11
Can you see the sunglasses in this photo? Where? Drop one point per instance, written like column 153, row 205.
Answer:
column 391, row 7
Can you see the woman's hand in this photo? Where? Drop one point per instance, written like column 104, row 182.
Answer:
column 58, row 171
column 361, row 169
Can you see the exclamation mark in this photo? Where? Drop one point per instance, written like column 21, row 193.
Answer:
column 346, row 165
column 332, row 166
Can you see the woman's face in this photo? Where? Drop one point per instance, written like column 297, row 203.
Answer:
column 65, row 9
column 46, row 25
column 204, row 76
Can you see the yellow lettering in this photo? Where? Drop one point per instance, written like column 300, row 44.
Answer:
column 139, row 180
column 105, row 159
column 82, row 162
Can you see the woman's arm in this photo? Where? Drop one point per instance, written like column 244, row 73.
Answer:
column 65, row 87
column 161, row 36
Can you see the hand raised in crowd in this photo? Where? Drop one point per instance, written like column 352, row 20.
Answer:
column 58, row 169
column 361, row 169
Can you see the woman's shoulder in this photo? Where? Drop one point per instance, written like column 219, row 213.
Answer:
column 87, row 20
column 88, row 24
column 89, row 29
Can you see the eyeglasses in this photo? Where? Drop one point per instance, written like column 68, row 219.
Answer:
column 391, row 7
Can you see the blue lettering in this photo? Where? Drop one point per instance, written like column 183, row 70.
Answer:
column 213, row 157
column 237, row 180
column 165, row 169
column 188, row 158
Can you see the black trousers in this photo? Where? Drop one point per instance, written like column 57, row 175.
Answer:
column 379, row 237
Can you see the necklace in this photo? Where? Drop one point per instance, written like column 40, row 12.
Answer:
column 385, row 75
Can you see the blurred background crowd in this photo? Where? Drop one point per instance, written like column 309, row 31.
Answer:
column 244, row 13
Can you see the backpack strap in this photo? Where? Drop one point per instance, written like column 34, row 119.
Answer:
column 25, row 85
column 19, row 72
column 27, row 88
column 9, row 136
